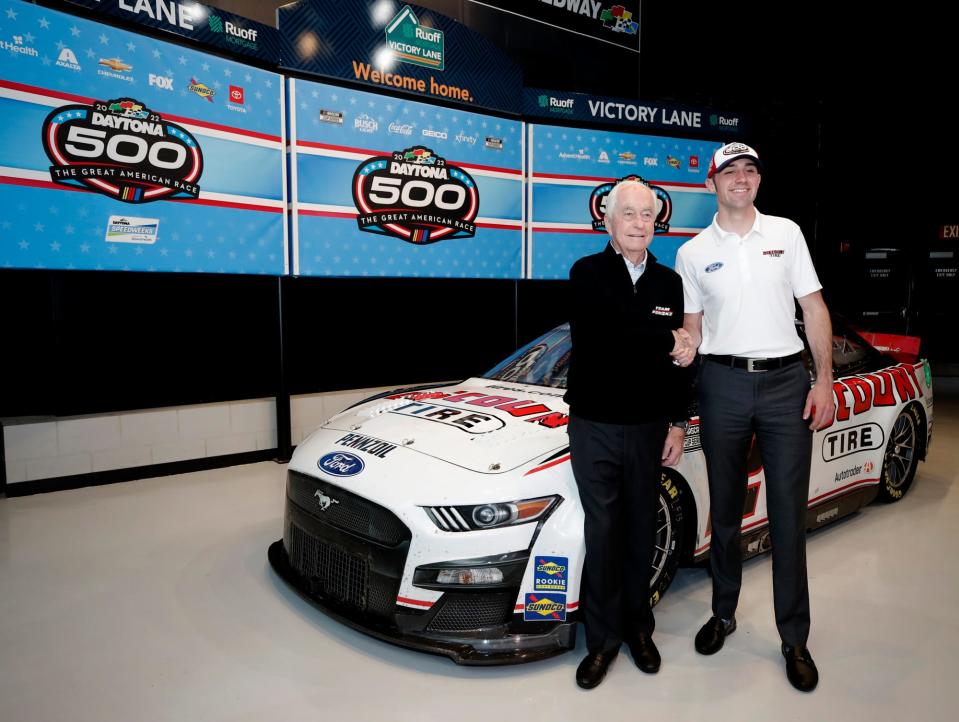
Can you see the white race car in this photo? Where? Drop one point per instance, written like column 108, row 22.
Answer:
column 447, row 519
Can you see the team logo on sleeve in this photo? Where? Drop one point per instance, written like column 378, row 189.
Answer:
column 122, row 149
column 597, row 204
column 415, row 196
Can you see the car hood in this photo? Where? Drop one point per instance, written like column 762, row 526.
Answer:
column 482, row 425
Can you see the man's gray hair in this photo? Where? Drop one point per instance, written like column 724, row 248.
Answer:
column 614, row 193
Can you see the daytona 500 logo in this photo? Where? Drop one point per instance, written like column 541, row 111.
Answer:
column 122, row 149
column 597, row 204
column 415, row 196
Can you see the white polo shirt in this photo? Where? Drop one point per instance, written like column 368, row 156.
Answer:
column 745, row 286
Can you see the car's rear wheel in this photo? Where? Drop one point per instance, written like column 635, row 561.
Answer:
column 670, row 530
column 901, row 457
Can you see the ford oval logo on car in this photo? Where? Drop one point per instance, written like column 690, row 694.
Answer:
column 341, row 463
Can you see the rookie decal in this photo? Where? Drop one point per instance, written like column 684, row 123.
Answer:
column 123, row 150
column 714, row 266
column 597, row 204
column 545, row 607
column 341, row 463
column 415, row 196
column 550, row 574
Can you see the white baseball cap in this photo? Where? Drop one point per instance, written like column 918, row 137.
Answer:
column 728, row 153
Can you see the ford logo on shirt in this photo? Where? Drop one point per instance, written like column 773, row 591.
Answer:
column 341, row 463
column 714, row 266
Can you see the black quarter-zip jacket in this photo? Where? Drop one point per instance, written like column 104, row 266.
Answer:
column 620, row 368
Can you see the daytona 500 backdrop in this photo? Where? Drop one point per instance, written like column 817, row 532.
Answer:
column 572, row 171
column 388, row 187
column 121, row 152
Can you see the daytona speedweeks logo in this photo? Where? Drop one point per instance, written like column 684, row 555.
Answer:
column 416, row 196
column 597, row 204
column 122, row 149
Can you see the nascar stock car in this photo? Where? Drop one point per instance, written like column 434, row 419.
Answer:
column 447, row 519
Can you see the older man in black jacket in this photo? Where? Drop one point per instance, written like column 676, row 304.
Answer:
column 628, row 408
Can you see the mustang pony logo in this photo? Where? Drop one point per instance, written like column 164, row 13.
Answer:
column 325, row 501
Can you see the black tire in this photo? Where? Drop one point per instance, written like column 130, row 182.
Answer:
column 902, row 455
column 670, row 533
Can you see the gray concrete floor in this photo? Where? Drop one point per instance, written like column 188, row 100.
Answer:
column 153, row 600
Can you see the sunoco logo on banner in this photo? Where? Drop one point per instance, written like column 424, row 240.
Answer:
column 122, row 149
column 414, row 43
column 597, row 204
column 415, row 196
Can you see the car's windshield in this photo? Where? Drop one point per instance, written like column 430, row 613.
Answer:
column 543, row 362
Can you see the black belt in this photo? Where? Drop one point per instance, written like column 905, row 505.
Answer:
column 754, row 364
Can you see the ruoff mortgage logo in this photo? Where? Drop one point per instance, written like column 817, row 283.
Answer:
column 123, row 150
column 415, row 196
column 597, row 204
column 414, row 43
column 234, row 34
column 563, row 106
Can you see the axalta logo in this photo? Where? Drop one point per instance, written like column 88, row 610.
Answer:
column 341, row 463
column 414, row 43
column 201, row 89
column 237, row 35
column 545, row 607
column 67, row 59
column 18, row 47
column 557, row 105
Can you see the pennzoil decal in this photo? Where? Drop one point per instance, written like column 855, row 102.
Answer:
column 597, row 204
column 415, row 196
column 123, row 150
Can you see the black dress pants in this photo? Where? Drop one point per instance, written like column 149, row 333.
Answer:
column 617, row 470
column 733, row 405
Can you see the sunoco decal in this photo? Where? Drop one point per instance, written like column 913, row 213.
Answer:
column 123, row 150
column 545, row 607
column 597, row 204
column 549, row 574
column 341, row 463
column 415, row 196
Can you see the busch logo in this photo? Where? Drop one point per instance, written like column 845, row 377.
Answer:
column 416, row 196
column 123, row 150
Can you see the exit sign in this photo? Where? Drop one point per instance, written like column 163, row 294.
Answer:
column 949, row 232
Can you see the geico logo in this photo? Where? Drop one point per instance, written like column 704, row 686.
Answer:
column 159, row 81
column 510, row 404
column 860, row 393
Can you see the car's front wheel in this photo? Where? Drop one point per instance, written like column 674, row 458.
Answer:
column 669, row 535
column 902, row 456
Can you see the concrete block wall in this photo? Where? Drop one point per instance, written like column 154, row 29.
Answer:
column 45, row 448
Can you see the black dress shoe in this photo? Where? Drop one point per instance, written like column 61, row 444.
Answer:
column 593, row 668
column 713, row 633
column 645, row 654
column 800, row 669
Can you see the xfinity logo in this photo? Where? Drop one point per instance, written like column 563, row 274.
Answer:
column 325, row 501
column 162, row 82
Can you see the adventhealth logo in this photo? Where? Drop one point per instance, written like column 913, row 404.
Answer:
column 414, row 43
column 237, row 35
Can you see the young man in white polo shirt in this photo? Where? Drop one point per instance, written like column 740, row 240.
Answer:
column 740, row 278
